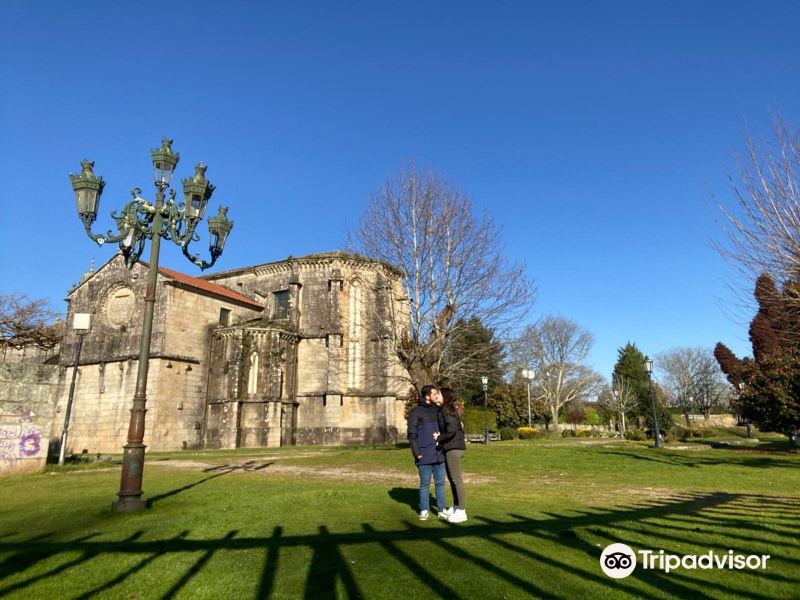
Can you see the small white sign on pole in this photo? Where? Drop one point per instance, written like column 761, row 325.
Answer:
column 82, row 321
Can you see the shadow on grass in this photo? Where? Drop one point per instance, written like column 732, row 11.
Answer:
column 680, row 458
column 249, row 467
column 535, row 548
column 407, row 496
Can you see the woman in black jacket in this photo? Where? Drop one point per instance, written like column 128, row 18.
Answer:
column 451, row 440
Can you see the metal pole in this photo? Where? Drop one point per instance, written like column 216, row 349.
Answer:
column 63, row 450
column 485, row 416
column 130, row 491
column 529, row 404
column 655, row 415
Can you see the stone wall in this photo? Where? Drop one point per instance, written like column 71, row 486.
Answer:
column 27, row 395
column 724, row 420
column 30, row 355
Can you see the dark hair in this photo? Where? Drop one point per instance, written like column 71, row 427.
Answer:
column 449, row 404
column 426, row 390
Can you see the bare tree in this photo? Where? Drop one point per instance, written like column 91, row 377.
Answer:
column 762, row 222
column 680, row 367
column 25, row 322
column 693, row 380
column 556, row 348
column 453, row 270
column 621, row 399
column 713, row 388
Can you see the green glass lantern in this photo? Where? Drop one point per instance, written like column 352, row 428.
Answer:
column 164, row 162
column 197, row 191
column 219, row 227
column 88, row 189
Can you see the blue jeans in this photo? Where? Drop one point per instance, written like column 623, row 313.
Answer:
column 425, row 471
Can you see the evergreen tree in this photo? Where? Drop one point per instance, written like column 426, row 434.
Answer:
column 630, row 367
column 476, row 352
column 509, row 401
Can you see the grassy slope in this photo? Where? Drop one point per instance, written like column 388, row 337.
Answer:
column 539, row 519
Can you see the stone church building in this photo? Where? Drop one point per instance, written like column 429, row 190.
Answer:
column 282, row 353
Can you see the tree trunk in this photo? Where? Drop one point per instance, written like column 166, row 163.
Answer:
column 554, row 410
column 688, row 420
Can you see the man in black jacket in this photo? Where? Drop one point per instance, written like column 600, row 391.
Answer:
column 428, row 456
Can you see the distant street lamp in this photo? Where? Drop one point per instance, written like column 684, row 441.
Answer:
column 746, row 420
column 81, row 322
column 648, row 366
column 139, row 221
column 529, row 375
column 485, row 382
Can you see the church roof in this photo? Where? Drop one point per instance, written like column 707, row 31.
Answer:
column 207, row 286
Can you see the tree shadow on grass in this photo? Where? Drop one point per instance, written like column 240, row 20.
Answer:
column 532, row 549
column 219, row 471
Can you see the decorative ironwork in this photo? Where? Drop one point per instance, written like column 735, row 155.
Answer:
column 136, row 222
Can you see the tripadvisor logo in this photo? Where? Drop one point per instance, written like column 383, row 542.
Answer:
column 619, row 561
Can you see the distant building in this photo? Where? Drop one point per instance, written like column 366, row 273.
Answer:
column 274, row 354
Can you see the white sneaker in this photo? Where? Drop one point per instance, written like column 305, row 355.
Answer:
column 423, row 515
column 458, row 516
column 446, row 513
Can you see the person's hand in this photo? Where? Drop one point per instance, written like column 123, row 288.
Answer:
column 436, row 436
column 419, row 456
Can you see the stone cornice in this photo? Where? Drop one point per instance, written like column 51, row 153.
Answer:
column 312, row 261
column 135, row 357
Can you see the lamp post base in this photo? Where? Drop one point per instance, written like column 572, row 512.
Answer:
column 128, row 504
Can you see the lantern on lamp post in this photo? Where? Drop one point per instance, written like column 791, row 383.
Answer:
column 139, row 221
column 529, row 375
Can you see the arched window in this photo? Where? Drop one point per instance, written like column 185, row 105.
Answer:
column 252, row 375
column 354, row 334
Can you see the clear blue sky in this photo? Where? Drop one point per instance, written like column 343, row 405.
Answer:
column 593, row 133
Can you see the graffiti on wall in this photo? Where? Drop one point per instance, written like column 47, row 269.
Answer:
column 20, row 440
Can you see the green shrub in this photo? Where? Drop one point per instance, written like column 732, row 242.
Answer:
column 671, row 435
column 568, row 433
column 508, row 433
column 592, row 416
column 688, row 433
column 473, row 420
column 636, row 435
column 544, row 434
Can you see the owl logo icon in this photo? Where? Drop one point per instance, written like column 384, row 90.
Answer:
column 618, row 560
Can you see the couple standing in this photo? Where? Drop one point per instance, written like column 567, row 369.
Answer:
column 436, row 434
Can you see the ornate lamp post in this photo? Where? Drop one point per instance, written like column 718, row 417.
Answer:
column 139, row 221
column 529, row 375
column 485, row 382
column 740, row 389
column 648, row 366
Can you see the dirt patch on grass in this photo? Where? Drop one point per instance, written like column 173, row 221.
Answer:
column 267, row 466
column 647, row 492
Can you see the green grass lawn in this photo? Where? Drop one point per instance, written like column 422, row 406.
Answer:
column 341, row 522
